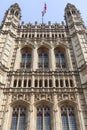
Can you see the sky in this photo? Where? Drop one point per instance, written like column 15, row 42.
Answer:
column 31, row 9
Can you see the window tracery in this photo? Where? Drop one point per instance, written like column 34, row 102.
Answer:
column 18, row 118
column 43, row 118
column 68, row 118
column 26, row 58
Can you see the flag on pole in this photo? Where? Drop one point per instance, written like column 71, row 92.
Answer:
column 44, row 10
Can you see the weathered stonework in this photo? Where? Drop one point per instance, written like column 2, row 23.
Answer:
column 28, row 85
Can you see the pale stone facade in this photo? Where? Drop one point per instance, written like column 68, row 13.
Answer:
column 32, row 73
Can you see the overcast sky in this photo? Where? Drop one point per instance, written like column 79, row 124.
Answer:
column 31, row 9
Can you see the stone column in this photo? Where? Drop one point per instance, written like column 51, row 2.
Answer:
column 68, row 59
column 55, row 114
column 80, row 115
column 34, row 59
column 51, row 59
column 32, row 118
column 6, row 115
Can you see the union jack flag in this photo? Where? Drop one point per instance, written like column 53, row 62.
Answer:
column 44, row 9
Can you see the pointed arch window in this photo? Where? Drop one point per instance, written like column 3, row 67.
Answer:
column 68, row 118
column 18, row 118
column 43, row 59
column 26, row 58
column 60, row 58
column 43, row 118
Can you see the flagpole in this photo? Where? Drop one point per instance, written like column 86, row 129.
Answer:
column 44, row 11
column 42, row 19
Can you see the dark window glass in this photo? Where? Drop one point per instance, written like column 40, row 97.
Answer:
column 40, row 83
column 61, row 83
column 19, row 83
column 43, row 61
column 43, row 118
column 57, row 82
column 68, row 118
column 29, row 83
column 36, row 83
column 50, row 83
column 46, row 83
column 15, row 83
column 18, row 119
column 25, row 83
column 66, row 82
column 71, row 83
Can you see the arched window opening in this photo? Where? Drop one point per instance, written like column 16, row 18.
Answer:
column 12, row 11
column 15, row 83
column 16, row 13
column 29, row 83
column 40, row 83
column 60, row 58
column 59, row 35
column 68, row 118
column 43, row 60
column 18, row 118
column 61, row 83
column 67, row 83
column 26, row 58
column 46, row 83
column 43, row 118
column 71, row 82
column 19, row 83
column 57, row 83
column 25, row 83
column 50, row 83
column 36, row 83
column 22, row 35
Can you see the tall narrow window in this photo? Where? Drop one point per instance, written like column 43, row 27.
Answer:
column 18, row 118
column 68, row 118
column 43, row 60
column 43, row 118
column 26, row 58
column 60, row 58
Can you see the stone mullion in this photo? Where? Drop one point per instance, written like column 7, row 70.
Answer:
column 17, row 82
column 59, row 81
column 64, row 82
column 68, row 119
column 74, row 81
column 53, row 80
column 27, row 82
column 12, row 81
column 22, row 82
column 34, row 59
column 51, row 59
column 69, row 82
column 33, row 78
column 48, row 81
column 43, row 81
column 18, row 119
column 38, row 81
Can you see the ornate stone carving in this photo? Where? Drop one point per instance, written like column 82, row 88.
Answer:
column 66, row 96
column 43, row 96
column 20, row 96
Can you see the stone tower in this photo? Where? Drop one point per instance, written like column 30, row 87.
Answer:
column 43, row 73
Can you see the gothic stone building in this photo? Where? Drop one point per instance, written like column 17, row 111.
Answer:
column 43, row 73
